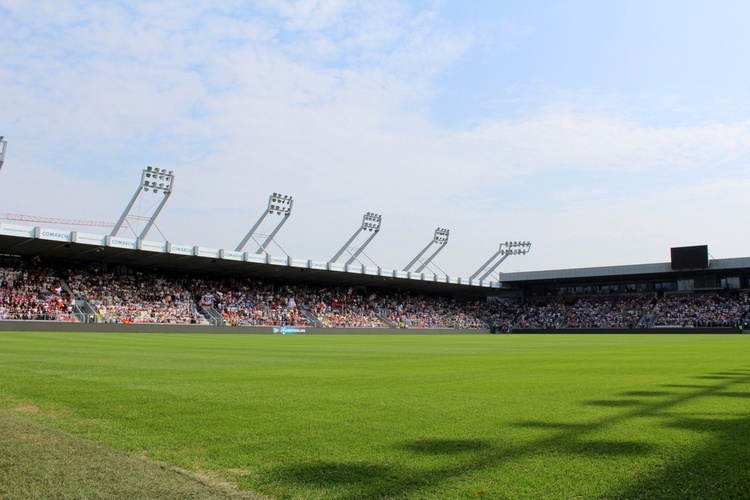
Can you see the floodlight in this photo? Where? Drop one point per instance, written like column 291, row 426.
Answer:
column 370, row 223
column 506, row 249
column 148, row 184
column 278, row 204
column 440, row 238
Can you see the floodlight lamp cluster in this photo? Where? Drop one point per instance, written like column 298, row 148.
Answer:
column 157, row 179
column 441, row 236
column 371, row 222
column 279, row 203
column 515, row 247
column 159, row 173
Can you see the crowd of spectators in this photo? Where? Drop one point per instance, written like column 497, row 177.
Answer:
column 626, row 311
column 701, row 310
column 339, row 307
column 542, row 314
column 251, row 302
column 608, row 312
column 420, row 311
column 134, row 297
column 35, row 292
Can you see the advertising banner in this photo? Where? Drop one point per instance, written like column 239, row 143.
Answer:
column 286, row 330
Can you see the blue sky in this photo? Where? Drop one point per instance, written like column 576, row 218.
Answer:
column 683, row 57
column 603, row 132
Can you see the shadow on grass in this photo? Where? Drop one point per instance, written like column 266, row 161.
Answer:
column 645, row 394
column 323, row 473
column 735, row 395
column 532, row 424
column 615, row 403
column 719, row 470
column 326, row 479
column 447, row 446
column 572, row 440
column 604, row 448
column 366, row 480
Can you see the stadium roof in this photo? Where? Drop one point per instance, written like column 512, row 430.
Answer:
column 608, row 273
column 83, row 247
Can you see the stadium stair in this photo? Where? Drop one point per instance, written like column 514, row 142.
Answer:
column 213, row 316
column 314, row 321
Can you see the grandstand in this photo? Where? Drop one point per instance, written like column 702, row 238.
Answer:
column 67, row 279
column 57, row 277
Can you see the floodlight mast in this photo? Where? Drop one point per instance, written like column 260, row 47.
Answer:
column 3, row 147
column 278, row 204
column 441, row 246
column 370, row 222
column 440, row 239
column 157, row 180
column 506, row 249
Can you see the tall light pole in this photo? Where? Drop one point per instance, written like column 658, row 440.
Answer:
column 440, row 239
column 3, row 147
column 153, row 181
column 279, row 205
column 507, row 249
column 370, row 223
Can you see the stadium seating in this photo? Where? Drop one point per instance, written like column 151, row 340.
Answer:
column 34, row 292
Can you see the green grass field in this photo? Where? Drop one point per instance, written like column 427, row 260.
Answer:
column 384, row 416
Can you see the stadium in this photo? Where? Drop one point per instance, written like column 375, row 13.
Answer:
column 75, row 272
column 119, row 378
column 710, row 294
column 315, row 249
column 690, row 291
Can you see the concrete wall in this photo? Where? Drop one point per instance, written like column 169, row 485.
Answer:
column 629, row 330
column 61, row 326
